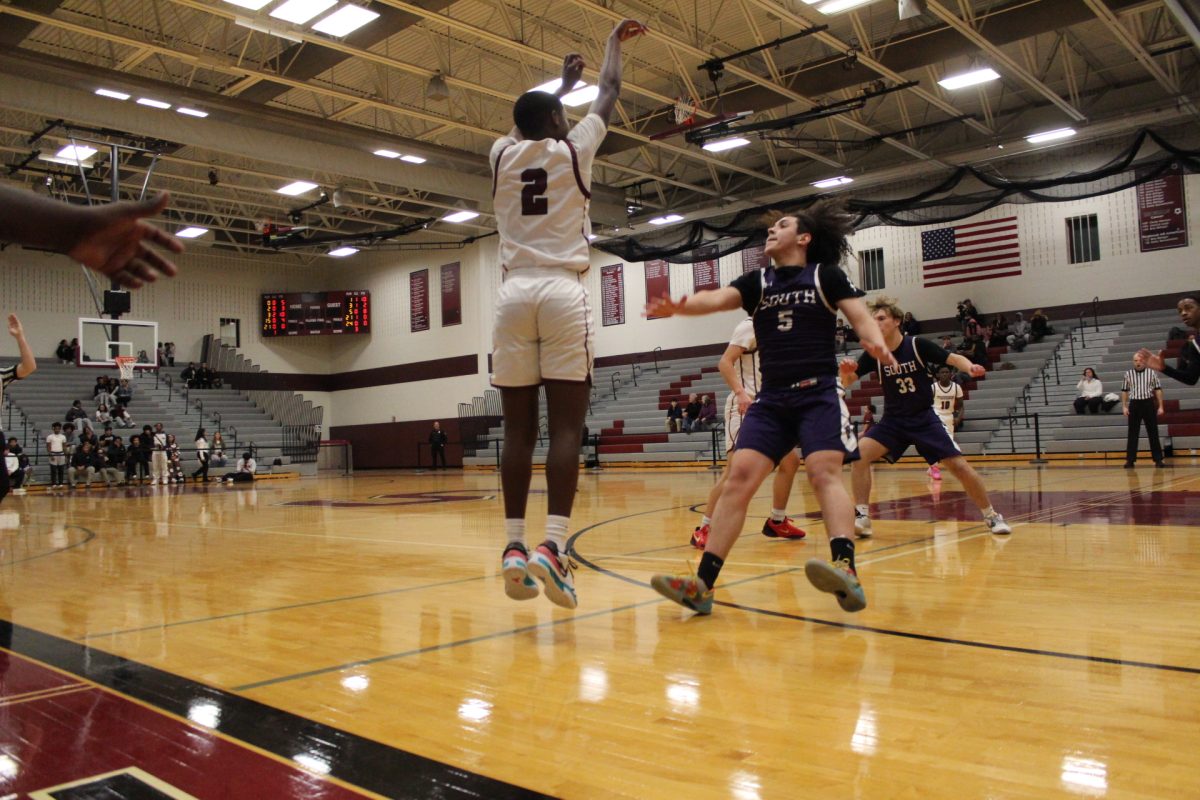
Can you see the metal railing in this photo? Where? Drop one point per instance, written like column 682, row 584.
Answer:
column 301, row 443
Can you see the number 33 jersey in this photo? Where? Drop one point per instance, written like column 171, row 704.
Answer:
column 908, row 386
column 541, row 189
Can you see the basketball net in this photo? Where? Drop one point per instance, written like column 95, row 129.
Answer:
column 125, row 365
column 685, row 110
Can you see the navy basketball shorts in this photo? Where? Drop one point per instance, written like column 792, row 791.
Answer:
column 814, row 418
column 926, row 433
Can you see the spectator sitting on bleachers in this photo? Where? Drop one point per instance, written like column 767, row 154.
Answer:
column 103, row 417
column 1000, row 331
column 64, row 353
column 72, row 441
column 107, row 436
column 948, row 343
column 1091, row 394
column 124, row 393
column 121, row 417
column 101, row 386
column 708, row 412
column 114, row 462
column 691, row 414
column 979, row 353
column 88, row 436
column 674, row 417
column 1039, row 326
column 84, row 464
column 75, row 412
column 217, row 457
column 1018, row 338
column 246, row 467
column 18, row 466
column 189, row 374
column 909, row 325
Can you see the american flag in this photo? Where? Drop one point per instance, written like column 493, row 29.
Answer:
column 976, row 251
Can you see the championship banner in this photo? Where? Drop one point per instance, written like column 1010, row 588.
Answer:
column 706, row 273
column 753, row 258
column 1162, row 211
column 418, row 294
column 612, row 294
column 658, row 280
column 451, row 295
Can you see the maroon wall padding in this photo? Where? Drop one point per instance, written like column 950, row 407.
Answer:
column 394, row 444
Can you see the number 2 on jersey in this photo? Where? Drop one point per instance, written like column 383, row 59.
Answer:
column 533, row 200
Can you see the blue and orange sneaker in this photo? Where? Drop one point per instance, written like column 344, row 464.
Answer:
column 687, row 590
column 782, row 530
column 555, row 573
column 514, row 563
column 839, row 579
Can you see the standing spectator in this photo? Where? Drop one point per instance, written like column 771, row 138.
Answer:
column 124, row 393
column 159, row 463
column 1039, row 326
column 84, row 464
column 1142, row 399
column 909, row 326
column 1091, row 392
column 691, row 414
column 437, row 445
column 202, row 455
column 170, row 350
column 174, row 461
column 56, row 449
column 74, row 345
column 64, row 353
column 674, row 417
column 137, row 460
column 115, row 457
column 160, row 355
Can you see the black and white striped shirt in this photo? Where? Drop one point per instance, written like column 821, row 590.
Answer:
column 1141, row 384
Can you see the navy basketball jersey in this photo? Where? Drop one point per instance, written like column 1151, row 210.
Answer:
column 908, row 386
column 795, row 313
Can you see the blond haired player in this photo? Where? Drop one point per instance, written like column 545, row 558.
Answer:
column 543, row 329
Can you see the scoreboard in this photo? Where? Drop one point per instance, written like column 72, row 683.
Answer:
column 316, row 313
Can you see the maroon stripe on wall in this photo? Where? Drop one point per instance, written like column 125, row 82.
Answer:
column 359, row 379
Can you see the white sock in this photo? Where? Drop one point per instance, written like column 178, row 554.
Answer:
column 989, row 512
column 863, row 511
column 778, row 514
column 514, row 529
column 705, row 520
column 556, row 531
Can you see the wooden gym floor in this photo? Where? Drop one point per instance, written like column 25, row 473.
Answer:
column 343, row 637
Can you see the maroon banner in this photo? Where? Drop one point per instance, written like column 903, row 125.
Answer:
column 418, row 296
column 1162, row 211
column 706, row 273
column 451, row 295
column 658, row 280
column 754, row 258
column 612, row 294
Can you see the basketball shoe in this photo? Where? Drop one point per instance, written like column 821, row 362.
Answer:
column 862, row 525
column 556, row 574
column 686, row 590
column 700, row 537
column 935, row 473
column 782, row 530
column 839, row 579
column 514, row 565
column 996, row 524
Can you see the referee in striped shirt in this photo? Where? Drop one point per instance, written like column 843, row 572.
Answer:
column 1142, row 398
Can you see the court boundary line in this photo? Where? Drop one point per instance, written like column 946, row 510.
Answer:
column 91, row 534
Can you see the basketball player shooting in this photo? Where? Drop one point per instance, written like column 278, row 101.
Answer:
column 543, row 334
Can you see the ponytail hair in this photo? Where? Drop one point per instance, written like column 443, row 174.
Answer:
column 829, row 223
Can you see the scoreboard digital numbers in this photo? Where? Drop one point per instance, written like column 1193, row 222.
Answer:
column 316, row 313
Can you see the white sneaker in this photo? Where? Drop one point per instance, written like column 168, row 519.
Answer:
column 862, row 525
column 996, row 524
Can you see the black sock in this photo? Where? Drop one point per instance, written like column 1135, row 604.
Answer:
column 710, row 568
column 842, row 547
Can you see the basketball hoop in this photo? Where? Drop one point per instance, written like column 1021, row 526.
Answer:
column 685, row 110
column 125, row 365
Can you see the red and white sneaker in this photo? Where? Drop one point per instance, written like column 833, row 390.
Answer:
column 700, row 537
column 555, row 573
column 782, row 530
column 935, row 473
column 514, row 566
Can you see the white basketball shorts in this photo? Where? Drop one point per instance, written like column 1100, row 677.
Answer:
column 733, row 421
column 543, row 329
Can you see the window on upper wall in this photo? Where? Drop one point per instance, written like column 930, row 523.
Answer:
column 1083, row 239
column 870, row 264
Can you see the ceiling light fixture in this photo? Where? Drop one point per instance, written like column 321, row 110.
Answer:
column 972, row 78
column 301, row 11
column 192, row 112
column 387, row 153
column 76, row 152
column 721, row 145
column 666, row 220
column 829, row 183
column 838, row 6
column 253, row 5
column 148, row 101
column 437, row 88
column 413, row 159
column 460, row 216
column 345, row 21
column 191, row 233
column 580, row 93
column 113, row 93
column 342, row 252
column 270, row 30
column 1050, row 136
column 296, row 188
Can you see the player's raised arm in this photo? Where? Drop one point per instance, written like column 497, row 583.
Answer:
column 708, row 301
column 610, row 70
column 28, row 364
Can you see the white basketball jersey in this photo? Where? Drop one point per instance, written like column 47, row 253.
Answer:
column 540, row 193
column 748, row 367
column 943, row 399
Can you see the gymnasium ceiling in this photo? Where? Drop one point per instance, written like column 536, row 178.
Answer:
column 286, row 103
